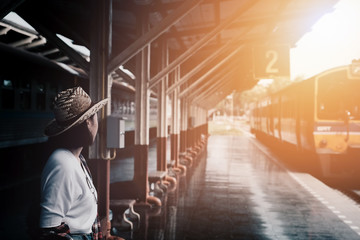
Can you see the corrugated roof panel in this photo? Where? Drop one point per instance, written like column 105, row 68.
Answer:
column 264, row 7
column 201, row 16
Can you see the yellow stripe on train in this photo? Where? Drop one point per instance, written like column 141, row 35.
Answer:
column 335, row 142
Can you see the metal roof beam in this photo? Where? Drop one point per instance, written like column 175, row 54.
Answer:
column 225, row 79
column 204, row 96
column 61, row 59
column 199, row 90
column 9, row 25
column 22, row 42
column 51, row 36
column 214, row 87
column 209, row 100
column 191, row 51
column 36, row 43
column 172, row 29
column 252, row 21
column 5, row 31
column 126, row 78
column 151, row 35
column 218, row 83
column 51, row 51
column 196, row 69
column 213, row 102
column 213, row 79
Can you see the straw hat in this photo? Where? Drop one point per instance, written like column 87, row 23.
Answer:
column 71, row 107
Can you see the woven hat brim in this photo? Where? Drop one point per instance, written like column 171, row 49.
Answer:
column 54, row 129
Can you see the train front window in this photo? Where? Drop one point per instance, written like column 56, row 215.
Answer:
column 338, row 97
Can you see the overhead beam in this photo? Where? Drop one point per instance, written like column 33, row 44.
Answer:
column 162, row 11
column 204, row 63
column 36, row 43
column 192, row 86
column 48, row 52
column 51, row 36
column 5, row 31
column 223, row 72
column 125, row 76
column 186, row 77
column 223, row 79
column 22, row 42
column 219, row 81
column 152, row 34
column 211, row 103
column 194, row 48
column 205, row 86
column 215, row 87
column 17, row 28
column 252, row 21
column 209, row 100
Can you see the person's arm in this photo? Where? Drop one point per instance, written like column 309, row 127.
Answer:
column 60, row 232
column 56, row 198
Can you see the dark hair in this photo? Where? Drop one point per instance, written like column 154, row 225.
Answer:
column 78, row 136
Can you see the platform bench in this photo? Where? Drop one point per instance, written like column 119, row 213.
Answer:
column 119, row 207
column 157, row 176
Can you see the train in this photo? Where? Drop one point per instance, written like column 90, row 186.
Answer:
column 319, row 115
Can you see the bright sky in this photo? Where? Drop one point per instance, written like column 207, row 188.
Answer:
column 333, row 41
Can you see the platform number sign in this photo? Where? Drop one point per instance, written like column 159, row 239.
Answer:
column 271, row 61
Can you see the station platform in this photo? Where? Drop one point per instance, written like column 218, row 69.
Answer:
column 239, row 190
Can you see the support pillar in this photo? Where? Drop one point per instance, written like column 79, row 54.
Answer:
column 142, row 95
column 183, row 126
column 192, row 126
column 100, row 88
column 174, row 136
column 189, row 126
column 162, row 114
column 184, row 133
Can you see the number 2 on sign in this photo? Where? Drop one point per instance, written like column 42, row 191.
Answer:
column 273, row 55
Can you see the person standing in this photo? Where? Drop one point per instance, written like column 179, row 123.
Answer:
column 68, row 205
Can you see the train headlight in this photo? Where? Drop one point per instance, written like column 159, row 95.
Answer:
column 323, row 143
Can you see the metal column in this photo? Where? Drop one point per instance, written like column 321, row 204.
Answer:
column 183, row 126
column 174, row 135
column 142, row 95
column 100, row 88
column 162, row 114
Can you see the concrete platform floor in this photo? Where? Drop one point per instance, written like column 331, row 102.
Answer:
column 239, row 191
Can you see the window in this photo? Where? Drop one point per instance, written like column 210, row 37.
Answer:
column 338, row 95
column 40, row 96
column 25, row 94
column 7, row 94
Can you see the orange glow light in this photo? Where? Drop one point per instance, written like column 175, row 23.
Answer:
column 333, row 41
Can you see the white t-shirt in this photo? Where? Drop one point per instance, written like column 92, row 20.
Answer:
column 66, row 195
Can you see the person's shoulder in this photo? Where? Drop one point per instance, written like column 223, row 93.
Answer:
column 60, row 168
column 62, row 157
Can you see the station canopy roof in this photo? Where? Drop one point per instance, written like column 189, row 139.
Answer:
column 211, row 40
